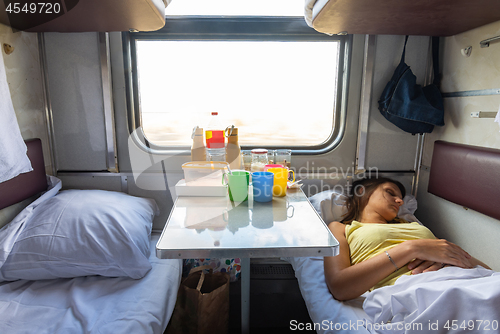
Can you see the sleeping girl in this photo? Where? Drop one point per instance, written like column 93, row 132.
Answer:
column 376, row 248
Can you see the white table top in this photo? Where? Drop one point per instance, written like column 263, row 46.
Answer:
column 205, row 227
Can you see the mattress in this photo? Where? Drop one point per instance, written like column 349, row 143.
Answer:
column 93, row 304
column 327, row 314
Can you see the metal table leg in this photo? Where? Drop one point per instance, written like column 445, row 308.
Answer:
column 245, row 295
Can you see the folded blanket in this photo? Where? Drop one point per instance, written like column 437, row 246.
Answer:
column 308, row 12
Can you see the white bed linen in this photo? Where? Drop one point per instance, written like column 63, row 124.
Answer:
column 16, row 226
column 112, row 227
column 330, row 205
column 450, row 300
column 13, row 157
column 308, row 9
column 311, row 10
column 93, row 304
column 471, row 297
column 327, row 314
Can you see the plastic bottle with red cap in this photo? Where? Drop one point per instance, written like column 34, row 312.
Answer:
column 215, row 139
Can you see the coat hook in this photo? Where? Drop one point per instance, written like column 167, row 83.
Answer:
column 7, row 48
column 483, row 114
column 466, row 51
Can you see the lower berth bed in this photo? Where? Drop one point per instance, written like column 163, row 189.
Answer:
column 92, row 304
column 80, row 261
column 450, row 300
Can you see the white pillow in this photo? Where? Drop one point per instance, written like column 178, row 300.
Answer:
column 407, row 210
column 330, row 205
column 81, row 233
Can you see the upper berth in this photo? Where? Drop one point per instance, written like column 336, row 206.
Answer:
column 396, row 17
column 85, row 16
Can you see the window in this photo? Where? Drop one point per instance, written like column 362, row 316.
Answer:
column 274, row 78
column 236, row 7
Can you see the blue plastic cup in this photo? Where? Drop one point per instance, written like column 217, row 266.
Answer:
column 262, row 186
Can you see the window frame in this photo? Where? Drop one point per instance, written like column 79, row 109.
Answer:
column 215, row 28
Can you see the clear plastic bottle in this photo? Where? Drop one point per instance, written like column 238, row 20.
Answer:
column 198, row 148
column 214, row 137
column 233, row 150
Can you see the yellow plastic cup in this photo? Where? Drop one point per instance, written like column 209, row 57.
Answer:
column 281, row 178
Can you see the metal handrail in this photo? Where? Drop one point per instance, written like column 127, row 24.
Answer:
column 486, row 42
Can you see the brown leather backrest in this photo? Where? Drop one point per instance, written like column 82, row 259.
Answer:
column 28, row 184
column 467, row 175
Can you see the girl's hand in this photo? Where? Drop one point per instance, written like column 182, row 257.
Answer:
column 418, row 266
column 438, row 251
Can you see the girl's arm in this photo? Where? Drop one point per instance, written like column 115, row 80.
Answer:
column 346, row 281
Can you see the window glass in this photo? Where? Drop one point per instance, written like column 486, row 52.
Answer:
column 236, row 7
column 277, row 93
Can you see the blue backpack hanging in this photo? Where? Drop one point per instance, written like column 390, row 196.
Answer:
column 411, row 107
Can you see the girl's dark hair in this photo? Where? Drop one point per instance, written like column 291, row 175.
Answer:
column 360, row 193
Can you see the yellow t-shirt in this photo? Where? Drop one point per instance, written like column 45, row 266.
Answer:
column 368, row 240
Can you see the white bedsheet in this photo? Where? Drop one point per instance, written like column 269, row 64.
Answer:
column 327, row 314
column 450, row 300
column 92, row 304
